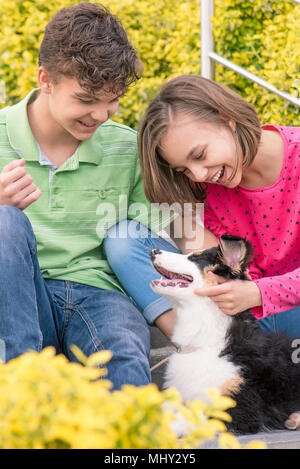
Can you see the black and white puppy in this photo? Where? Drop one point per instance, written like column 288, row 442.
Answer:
column 230, row 353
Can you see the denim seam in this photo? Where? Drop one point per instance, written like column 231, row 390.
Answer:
column 40, row 344
column 68, row 309
column 91, row 328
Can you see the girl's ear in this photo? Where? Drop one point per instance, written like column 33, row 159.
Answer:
column 232, row 125
column 228, row 121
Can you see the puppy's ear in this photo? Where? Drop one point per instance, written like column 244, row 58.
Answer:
column 236, row 253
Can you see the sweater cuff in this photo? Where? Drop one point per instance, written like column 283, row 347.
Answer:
column 257, row 311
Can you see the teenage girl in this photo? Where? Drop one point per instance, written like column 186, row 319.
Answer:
column 202, row 142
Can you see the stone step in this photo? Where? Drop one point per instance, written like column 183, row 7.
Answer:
column 279, row 439
column 160, row 349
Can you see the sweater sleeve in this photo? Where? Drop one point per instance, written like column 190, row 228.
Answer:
column 279, row 293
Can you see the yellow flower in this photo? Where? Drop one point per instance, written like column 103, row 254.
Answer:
column 48, row 402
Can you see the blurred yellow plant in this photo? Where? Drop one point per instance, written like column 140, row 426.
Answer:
column 48, row 402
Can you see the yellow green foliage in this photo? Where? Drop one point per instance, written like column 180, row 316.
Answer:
column 260, row 35
column 48, row 402
column 165, row 33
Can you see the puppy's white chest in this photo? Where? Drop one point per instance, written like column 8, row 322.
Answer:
column 193, row 373
column 202, row 325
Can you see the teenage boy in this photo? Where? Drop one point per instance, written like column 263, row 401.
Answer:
column 65, row 166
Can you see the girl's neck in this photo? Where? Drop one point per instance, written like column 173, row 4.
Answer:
column 266, row 167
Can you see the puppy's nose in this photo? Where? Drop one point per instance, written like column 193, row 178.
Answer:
column 154, row 253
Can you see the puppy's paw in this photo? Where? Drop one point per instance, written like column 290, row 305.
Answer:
column 293, row 422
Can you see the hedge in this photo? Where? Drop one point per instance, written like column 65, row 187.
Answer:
column 260, row 35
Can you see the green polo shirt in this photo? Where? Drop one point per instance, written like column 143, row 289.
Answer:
column 95, row 188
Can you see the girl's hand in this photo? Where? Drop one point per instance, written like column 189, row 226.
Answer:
column 232, row 296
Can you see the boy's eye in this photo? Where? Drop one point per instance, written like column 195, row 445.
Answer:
column 85, row 101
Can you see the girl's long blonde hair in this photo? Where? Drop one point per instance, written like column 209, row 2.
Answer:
column 209, row 102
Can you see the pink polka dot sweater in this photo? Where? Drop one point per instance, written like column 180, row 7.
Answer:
column 269, row 218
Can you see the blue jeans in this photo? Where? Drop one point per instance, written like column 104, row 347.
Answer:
column 37, row 312
column 129, row 257
column 287, row 321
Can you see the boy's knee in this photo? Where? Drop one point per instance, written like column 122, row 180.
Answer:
column 13, row 223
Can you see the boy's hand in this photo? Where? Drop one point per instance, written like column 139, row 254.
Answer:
column 232, row 296
column 16, row 186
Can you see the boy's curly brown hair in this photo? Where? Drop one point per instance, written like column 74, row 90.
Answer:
column 88, row 43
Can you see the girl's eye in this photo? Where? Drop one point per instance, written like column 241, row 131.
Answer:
column 182, row 172
column 86, row 102
column 199, row 157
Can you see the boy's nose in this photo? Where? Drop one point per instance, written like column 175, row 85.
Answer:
column 100, row 115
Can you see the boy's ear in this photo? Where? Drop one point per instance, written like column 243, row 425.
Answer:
column 235, row 252
column 44, row 80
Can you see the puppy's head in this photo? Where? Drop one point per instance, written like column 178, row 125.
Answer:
column 181, row 273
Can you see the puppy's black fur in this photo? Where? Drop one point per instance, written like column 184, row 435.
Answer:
column 270, row 390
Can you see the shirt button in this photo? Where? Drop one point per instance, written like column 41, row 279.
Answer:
column 102, row 194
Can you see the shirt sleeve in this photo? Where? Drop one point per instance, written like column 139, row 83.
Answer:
column 155, row 216
column 279, row 293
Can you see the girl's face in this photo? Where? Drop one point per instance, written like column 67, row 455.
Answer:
column 203, row 152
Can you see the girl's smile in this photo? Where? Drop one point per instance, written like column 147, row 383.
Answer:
column 203, row 152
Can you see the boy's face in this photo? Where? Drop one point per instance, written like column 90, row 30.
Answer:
column 76, row 111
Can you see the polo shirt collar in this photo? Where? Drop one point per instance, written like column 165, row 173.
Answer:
column 22, row 140
column 19, row 131
column 90, row 151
